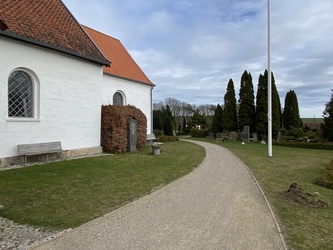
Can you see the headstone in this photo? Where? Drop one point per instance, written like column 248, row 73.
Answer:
column 305, row 139
column 232, row 136
column 174, row 132
column 246, row 134
column 219, row 137
column 279, row 137
column 255, row 137
column 210, row 134
column 131, row 135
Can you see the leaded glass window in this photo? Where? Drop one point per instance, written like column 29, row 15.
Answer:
column 20, row 95
column 117, row 99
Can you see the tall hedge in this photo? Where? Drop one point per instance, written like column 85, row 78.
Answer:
column 114, row 127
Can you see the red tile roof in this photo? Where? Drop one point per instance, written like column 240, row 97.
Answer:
column 122, row 64
column 47, row 23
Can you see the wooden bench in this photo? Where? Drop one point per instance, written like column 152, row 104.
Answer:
column 151, row 138
column 39, row 149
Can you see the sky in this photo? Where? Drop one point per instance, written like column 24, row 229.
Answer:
column 191, row 48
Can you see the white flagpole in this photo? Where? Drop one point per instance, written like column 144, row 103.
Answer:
column 269, row 83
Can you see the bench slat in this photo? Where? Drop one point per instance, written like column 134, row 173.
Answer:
column 39, row 148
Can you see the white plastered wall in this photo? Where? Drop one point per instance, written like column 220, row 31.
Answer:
column 136, row 94
column 68, row 102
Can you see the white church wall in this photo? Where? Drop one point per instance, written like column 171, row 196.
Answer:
column 135, row 94
column 68, row 100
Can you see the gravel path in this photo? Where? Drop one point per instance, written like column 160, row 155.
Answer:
column 20, row 237
column 217, row 206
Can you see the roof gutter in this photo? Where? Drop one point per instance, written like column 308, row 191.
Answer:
column 49, row 46
column 129, row 79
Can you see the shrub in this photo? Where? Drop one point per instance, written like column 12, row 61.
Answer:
column 296, row 144
column 295, row 132
column 157, row 132
column 326, row 178
column 114, row 127
column 167, row 138
column 198, row 132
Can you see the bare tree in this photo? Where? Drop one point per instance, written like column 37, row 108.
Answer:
column 158, row 105
column 175, row 106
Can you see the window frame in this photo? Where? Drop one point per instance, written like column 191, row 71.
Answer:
column 35, row 96
column 122, row 97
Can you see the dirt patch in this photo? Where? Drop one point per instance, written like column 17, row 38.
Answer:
column 297, row 194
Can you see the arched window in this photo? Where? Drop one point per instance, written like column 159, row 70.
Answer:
column 20, row 95
column 118, row 99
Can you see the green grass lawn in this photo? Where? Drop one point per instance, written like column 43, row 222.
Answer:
column 67, row 194
column 303, row 227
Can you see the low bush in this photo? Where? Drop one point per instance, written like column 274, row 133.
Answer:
column 167, row 138
column 296, row 144
column 157, row 132
column 326, row 178
column 198, row 132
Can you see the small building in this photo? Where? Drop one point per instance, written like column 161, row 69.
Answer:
column 55, row 75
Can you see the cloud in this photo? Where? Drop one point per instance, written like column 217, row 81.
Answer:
column 190, row 49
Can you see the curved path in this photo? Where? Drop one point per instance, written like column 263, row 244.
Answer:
column 217, row 206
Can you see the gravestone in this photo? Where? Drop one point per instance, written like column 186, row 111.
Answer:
column 232, row 136
column 255, row 137
column 279, row 137
column 210, row 134
column 131, row 135
column 305, row 139
column 246, row 134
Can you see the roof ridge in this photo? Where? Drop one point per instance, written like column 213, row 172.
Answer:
column 123, row 64
column 92, row 41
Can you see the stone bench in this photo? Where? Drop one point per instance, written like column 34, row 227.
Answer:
column 39, row 149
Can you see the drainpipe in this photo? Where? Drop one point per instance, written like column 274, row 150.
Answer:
column 151, row 110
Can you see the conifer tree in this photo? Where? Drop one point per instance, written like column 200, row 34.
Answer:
column 168, row 123
column 199, row 119
column 276, row 107
column 262, row 106
column 291, row 118
column 229, row 118
column 217, row 119
column 158, row 117
column 246, row 113
column 327, row 126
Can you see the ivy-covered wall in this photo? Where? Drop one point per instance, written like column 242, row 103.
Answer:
column 114, row 127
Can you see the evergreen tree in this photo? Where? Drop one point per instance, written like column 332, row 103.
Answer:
column 158, row 117
column 217, row 119
column 276, row 107
column 327, row 126
column 229, row 118
column 262, row 106
column 246, row 113
column 168, row 123
column 199, row 119
column 291, row 118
